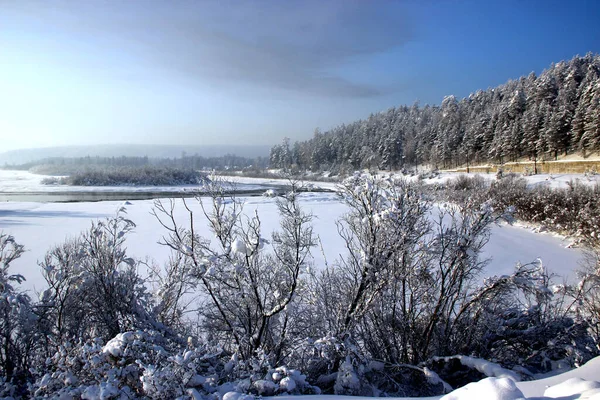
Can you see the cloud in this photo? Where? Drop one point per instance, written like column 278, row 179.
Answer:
column 300, row 46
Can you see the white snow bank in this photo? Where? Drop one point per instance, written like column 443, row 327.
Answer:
column 488, row 389
column 588, row 372
column 115, row 346
column 237, row 396
column 573, row 387
column 551, row 180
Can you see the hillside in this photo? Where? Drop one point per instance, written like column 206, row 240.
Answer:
column 534, row 117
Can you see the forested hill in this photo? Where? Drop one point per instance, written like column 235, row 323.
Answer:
column 539, row 117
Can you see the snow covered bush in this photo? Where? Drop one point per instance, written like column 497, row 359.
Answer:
column 133, row 176
column 17, row 320
column 411, row 277
column 350, row 380
column 587, row 294
column 574, row 210
column 466, row 183
column 402, row 312
column 387, row 218
column 145, row 364
column 526, row 320
column 251, row 285
column 404, row 290
column 94, row 289
column 465, row 188
column 132, row 364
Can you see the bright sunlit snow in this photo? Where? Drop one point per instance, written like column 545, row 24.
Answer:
column 39, row 226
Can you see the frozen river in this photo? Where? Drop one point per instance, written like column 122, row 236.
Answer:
column 40, row 220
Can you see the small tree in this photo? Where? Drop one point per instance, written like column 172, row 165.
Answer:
column 17, row 336
column 94, row 289
column 247, row 290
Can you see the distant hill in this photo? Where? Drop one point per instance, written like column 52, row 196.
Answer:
column 22, row 156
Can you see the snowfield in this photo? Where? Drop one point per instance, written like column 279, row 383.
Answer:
column 39, row 226
column 26, row 182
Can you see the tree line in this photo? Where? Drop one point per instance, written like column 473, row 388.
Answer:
column 538, row 117
column 71, row 165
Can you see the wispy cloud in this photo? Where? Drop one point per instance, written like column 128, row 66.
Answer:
column 291, row 45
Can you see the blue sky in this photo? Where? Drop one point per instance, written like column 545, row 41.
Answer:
column 252, row 72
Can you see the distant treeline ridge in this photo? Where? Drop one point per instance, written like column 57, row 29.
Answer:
column 72, row 165
column 533, row 117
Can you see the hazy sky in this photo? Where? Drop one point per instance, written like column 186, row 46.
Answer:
column 252, row 72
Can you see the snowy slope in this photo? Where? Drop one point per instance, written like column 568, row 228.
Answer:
column 589, row 372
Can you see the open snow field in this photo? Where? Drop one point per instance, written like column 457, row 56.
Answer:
column 39, row 226
column 23, row 186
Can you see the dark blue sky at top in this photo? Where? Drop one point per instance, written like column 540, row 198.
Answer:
column 459, row 47
column 251, row 72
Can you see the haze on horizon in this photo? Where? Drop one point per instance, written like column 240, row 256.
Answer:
column 251, row 72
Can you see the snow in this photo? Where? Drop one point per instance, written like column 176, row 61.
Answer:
column 26, row 182
column 511, row 244
column 287, row 384
column 237, row 396
column 115, row 346
column 39, row 226
column 278, row 182
column 551, row 180
column 580, row 383
column 589, row 372
column 488, row 389
column 100, row 392
column 487, row 368
column 572, row 387
column 434, row 379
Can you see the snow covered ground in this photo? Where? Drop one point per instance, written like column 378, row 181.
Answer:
column 551, row 180
column 581, row 383
column 39, row 226
column 26, row 182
